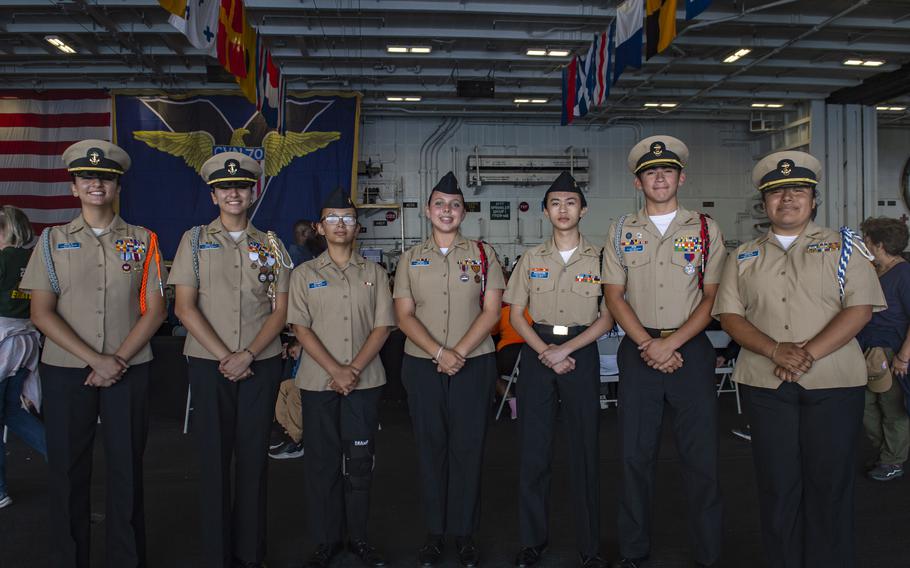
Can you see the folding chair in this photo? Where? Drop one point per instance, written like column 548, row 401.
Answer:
column 720, row 340
column 512, row 378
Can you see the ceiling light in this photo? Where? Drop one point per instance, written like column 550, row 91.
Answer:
column 667, row 105
column 59, row 44
column 891, row 108
column 521, row 101
column 539, row 101
column 394, row 99
column 652, row 105
column 864, row 62
column 424, row 49
column 736, row 55
column 557, row 52
column 536, row 52
column 775, row 105
column 898, row 109
column 759, row 105
column 412, row 99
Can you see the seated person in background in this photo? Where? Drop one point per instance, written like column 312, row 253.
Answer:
column 308, row 244
column 287, row 430
column 507, row 348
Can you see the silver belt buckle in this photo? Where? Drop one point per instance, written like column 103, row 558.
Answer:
column 560, row 330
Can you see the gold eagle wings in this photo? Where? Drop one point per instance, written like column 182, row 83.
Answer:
column 196, row 147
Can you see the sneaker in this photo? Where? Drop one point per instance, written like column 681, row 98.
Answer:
column 744, row 433
column 5, row 500
column 323, row 555
column 277, row 437
column 886, row 472
column 468, row 555
column 286, row 451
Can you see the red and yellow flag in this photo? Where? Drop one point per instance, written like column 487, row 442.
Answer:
column 236, row 46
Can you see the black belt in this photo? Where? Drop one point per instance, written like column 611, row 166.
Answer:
column 655, row 333
column 559, row 330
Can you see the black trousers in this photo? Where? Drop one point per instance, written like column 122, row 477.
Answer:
column 691, row 393
column 231, row 423
column 450, row 417
column 338, row 434
column 541, row 394
column 71, row 412
column 804, row 446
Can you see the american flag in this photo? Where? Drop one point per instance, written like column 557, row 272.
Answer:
column 35, row 128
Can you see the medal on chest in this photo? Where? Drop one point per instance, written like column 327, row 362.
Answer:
column 131, row 251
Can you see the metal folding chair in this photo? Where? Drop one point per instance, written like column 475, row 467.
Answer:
column 512, row 378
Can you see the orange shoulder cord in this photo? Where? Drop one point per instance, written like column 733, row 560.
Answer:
column 143, row 288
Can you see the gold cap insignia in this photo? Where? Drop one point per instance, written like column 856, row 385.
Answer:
column 94, row 156
column 231, row 166
column 786, row 167
column 657, row 148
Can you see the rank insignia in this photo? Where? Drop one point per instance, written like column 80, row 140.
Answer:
column 823, row 247
column 319, row 284
column 421, row 262
column 539, row 273
column 687, row 244
column 589, row 278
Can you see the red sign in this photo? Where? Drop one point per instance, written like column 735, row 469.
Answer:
column 391, row 216
column 523, row 206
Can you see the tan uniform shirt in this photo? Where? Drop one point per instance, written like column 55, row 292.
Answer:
column 558, row 292
column 99, row 277
column 231, row 296
column 446, row 290
column 791, row 295
column 662, row 280
column 342, row 306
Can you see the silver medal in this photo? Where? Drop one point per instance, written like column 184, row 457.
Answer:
column 464, row 277
column 689, row 269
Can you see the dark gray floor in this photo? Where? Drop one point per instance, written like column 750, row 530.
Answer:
column 882, row 517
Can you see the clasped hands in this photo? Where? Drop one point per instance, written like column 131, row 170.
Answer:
column 236, row 366
column 344, row 379
column 106, row 370
column 792, row 361
column 556, row 357
column 660, row 354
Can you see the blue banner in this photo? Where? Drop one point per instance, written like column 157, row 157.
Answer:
column 169, row 138
column 696, row 7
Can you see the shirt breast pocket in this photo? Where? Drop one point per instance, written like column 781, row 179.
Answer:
column 683, row 269
column 585, row 289
column 542, row 285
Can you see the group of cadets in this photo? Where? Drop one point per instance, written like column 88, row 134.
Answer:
column 791, row 298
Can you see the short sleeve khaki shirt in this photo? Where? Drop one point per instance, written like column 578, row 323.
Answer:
column 446, row 290
column 231, row 296
column 342, row 306
column 100, row 278
column 662, row 280
column 558, row 292
column 791, row 295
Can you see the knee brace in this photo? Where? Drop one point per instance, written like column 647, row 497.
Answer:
column 358, row 464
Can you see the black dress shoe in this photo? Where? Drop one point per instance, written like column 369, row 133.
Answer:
column 368, row 555
column 530, row 555
column 624, row 562
column 431, row 551
column 323, row 555
column 468, row 554
column 593, row 561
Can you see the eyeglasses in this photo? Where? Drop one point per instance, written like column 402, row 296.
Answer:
column 348, row 220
